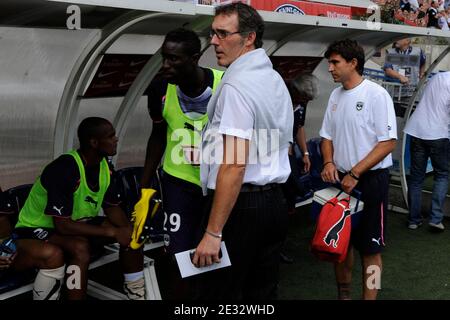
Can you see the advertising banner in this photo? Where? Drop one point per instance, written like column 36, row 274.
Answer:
column 304, row 7
column 115, row 75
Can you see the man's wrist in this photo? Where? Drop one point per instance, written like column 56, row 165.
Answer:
column 327, row 163
column 353, row 175
column 213, row 234
column 306, row 153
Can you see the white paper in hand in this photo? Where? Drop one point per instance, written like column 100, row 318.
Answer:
column 187, row 269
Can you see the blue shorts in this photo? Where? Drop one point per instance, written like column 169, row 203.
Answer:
column 182, row 206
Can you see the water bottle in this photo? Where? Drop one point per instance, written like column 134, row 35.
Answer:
column 8, row 247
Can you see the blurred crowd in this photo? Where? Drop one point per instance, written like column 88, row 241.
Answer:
column 420, row 13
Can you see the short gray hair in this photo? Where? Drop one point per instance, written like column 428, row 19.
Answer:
column 306, row 85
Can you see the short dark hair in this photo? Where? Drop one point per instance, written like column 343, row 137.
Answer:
column 89, row 128
column 348, row 49
column 306, row 85
column 249, row 19
column 189, row 39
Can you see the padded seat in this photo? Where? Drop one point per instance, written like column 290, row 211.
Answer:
column 11, row 280
column 315, row 155
column 130, row 180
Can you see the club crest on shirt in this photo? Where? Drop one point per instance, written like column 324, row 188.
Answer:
column 359, row 105
column 334, row 107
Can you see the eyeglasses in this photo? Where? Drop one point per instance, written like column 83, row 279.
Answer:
column 221, row 34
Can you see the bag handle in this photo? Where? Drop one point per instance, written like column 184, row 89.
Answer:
column 355, row 193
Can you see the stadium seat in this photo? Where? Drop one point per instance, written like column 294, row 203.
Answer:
column 303, row 181
column 130, row 183
column 129, row 180
column 14, row 283
column 15, row 198
column 315, row 156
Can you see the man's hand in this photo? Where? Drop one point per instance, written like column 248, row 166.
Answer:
column 348, row 183
column 329, row 173
column 5, row 262
column 403, row 79
column 207, row 251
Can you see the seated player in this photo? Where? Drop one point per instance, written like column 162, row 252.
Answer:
column 60, row 218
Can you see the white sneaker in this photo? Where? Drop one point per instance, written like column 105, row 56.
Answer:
column 414, row 226
column 135, row 290
column 439, row 225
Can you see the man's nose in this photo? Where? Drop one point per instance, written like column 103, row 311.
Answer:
column 165, row 64
column 214, row 40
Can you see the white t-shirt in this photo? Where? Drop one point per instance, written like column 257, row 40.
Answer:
column 252, row 103
column 430, row 120
column 356, row 120
column 443, row 23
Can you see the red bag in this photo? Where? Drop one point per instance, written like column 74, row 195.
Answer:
column 332, row 235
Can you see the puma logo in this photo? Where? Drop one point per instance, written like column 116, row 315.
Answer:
column 191, row 127
column 332, row 236
column 377, row 241
column 89, row 199
column 58, row 210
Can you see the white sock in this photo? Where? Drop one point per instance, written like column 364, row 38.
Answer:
column 129, row 277
column 47, row 284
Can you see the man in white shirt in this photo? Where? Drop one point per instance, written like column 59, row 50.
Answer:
column 428, row 128
column 244, row 161
column 359, row 133
column 443, row 20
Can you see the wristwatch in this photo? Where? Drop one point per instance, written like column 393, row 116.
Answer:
column 306, row 153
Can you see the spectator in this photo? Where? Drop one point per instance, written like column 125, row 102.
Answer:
column 443, row 20
column 432, row 15
column 405, row 5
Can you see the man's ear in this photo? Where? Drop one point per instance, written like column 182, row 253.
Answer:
column 355, row 63
column 196, row 57
column 250, row 39
column 93, row 143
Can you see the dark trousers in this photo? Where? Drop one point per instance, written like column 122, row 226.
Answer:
column 253, row 235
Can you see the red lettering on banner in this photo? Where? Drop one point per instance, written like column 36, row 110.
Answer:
column 304, row 7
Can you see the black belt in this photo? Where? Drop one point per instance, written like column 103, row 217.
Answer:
column 248, row 187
